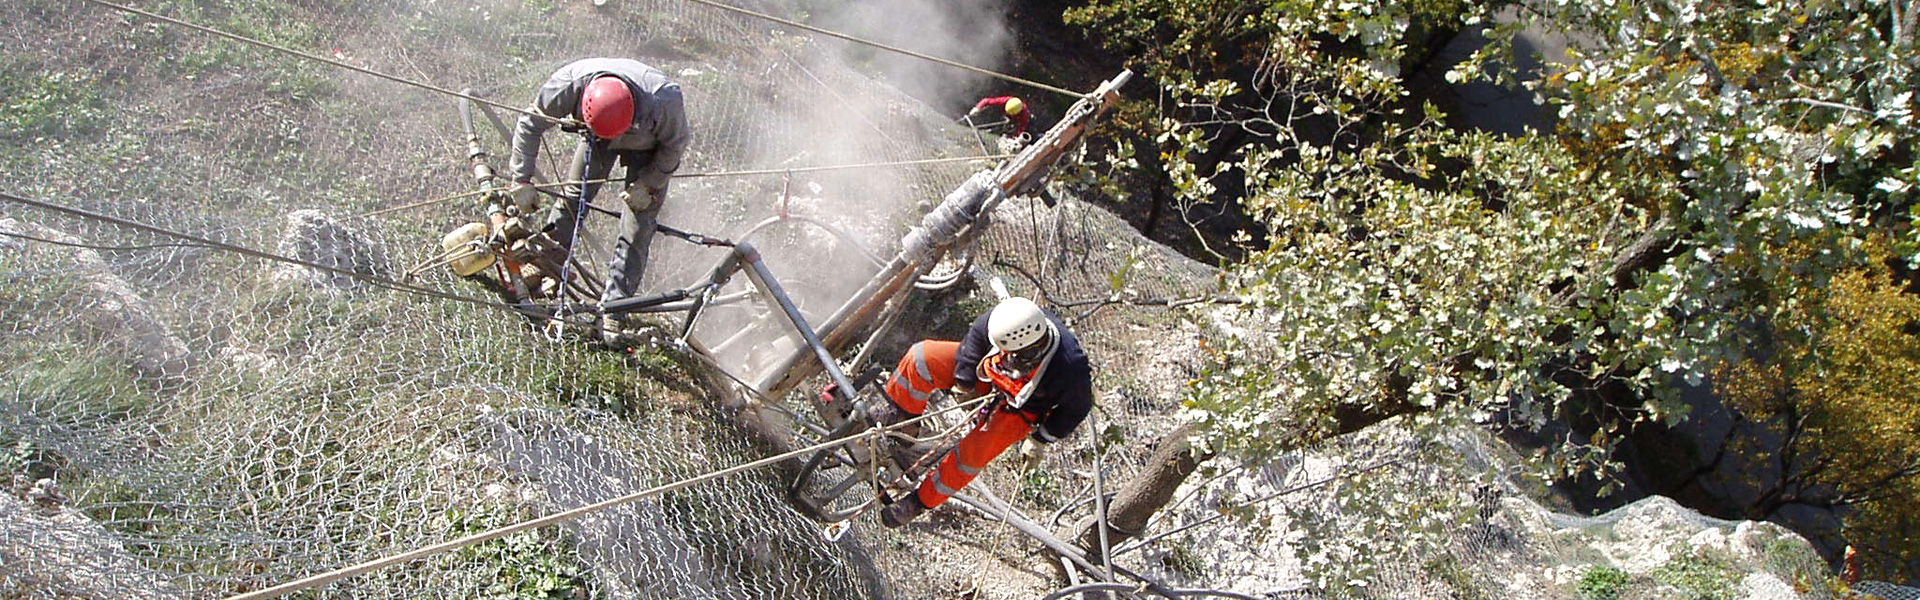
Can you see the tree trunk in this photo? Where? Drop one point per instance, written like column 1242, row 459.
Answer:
column 1153, row 488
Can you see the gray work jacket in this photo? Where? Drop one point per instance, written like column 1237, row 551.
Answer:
column 659, row 117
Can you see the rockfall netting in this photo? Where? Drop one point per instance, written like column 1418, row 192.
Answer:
column 182, row 421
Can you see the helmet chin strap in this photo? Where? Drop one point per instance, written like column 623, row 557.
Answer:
column 1026, row 391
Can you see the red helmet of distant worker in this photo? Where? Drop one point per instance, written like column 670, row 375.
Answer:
column 607, row 106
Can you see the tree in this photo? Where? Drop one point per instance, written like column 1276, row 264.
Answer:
column 1837, row 378
column 1705, row 149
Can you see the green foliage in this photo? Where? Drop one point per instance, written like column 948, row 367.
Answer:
column 1449, row 570
column 1185, row 560
column 1705, row 151
column 75, row 372
column 1838, row 377
column 541, row 6
column 21, row 456
column 1794, row 561
column 1601, row 582
column 38, row 104
column 192, row 54
column 526, row 565
column 294, row 319
column 1697, row 576
column 609, row 381
column 83, row 384
column 1039, row 487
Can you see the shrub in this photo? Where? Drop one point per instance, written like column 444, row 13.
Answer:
column 1601, row 582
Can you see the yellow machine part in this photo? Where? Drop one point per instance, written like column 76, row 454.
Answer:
column 468, row 237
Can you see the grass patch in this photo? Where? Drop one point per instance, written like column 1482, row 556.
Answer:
column 1038, row 486
column 35, row 104
column 1185, row 560
column 597, row 380
column 191, row 54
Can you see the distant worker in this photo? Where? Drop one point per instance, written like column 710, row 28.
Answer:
column 631, row 113
column 1015, row 110
column 1042, row 384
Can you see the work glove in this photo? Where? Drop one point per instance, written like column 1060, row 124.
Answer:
column 638, row 196
column 961, row 392
column 975, row 112
column 1032, row 452
column 497, row 239
column 524, row 196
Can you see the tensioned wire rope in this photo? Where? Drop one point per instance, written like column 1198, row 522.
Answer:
column 328, row 61
column 540, row 115
column 368, row 566
column 349, row 571
column 895, row 49
column 238, row 249
column 192, row 241
column 387, row 283
column 745, row 173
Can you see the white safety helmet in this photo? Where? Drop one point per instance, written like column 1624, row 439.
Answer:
column 1015, row 324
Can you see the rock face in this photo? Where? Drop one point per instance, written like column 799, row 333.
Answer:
column 1500, row 544
column 314, row 237
column 106, row 303
column 86, row 562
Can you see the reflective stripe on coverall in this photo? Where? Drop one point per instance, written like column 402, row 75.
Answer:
column 928, row 366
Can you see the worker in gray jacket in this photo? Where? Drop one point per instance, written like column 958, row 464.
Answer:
column 630, row 112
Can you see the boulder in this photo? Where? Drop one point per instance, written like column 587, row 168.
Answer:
column 49, row 549
column 106, row 303
column 316, row 238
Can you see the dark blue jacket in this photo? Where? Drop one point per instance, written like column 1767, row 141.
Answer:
column 1065, row 395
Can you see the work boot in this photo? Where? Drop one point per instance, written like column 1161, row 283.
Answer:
column 904, row 511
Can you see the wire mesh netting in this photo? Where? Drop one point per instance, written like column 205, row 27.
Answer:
column 183, row 421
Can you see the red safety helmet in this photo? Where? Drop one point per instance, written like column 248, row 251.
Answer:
column 607, row 106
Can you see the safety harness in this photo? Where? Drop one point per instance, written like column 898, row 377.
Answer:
column 1017, row 388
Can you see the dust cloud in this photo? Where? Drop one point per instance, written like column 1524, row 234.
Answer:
column 829, row 102
column 972, row 32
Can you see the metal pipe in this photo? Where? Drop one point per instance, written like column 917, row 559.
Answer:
column 1103, row 586
column 1046, row 538
column 836, row 231
column 877, row 289
column 1020, row 173
column 758, row 273
column 1100, row 507
column 887, row 319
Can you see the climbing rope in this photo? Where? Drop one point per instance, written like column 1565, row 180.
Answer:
column 567, row 515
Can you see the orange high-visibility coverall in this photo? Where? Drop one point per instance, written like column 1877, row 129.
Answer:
column 929, row 366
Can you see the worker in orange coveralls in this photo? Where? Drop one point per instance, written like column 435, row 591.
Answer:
column 1020, row 353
